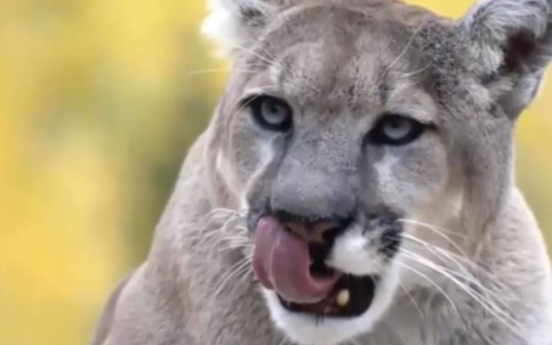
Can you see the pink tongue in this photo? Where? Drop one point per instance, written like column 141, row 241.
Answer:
column 281, row 262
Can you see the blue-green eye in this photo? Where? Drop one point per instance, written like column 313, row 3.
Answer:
column 396, row 130
column 271, row 113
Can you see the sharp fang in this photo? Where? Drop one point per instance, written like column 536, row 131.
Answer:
column 343, row 298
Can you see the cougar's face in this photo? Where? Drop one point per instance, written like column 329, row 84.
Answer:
column 336, row 150
column 334, row 143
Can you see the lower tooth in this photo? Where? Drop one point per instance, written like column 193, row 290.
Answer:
column 343, row 298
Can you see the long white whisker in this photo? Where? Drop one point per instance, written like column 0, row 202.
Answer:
column 433, row 227
column 416, row 72
column 404, row 50
column 233, row 271
column 440, row 289
column 492, row 308
column 439, row 233
column 203, row 236
column 457, row 260
column 220, row 211
column 269, row 59
column 470, row 278
column 413, row 301
column 234, row 242
column 232, row 247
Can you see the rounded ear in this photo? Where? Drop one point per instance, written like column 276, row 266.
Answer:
column 510, row 46
column 233, row 23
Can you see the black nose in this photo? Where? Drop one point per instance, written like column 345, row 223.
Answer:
column 320, row 234
column 315, row 231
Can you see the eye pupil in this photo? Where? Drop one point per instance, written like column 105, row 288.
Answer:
column 273, row 112
column 273, row 107
column 395, row 123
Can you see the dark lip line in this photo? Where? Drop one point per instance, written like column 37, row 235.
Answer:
column 374, row 281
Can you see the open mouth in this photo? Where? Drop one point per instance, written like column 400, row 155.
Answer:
column 296, row 271
column 350, row 297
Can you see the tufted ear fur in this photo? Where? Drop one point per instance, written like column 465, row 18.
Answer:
column 510, row 46
column 235, row 22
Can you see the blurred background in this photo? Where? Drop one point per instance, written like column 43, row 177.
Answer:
column 99, row 100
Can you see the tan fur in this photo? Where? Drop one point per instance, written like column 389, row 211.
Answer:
column 472, row 267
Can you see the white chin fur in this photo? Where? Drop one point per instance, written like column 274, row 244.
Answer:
column 307, row 329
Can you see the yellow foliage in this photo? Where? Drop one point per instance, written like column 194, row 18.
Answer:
column 98, row 101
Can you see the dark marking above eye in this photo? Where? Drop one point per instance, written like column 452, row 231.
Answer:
column 351, row 91
column 383, row 89
column 383, row 85
column 251, row 13
column 352, row 97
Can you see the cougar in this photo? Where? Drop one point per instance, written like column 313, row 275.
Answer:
column 354, row 186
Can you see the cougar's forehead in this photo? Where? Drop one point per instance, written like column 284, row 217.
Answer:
column 340, row 57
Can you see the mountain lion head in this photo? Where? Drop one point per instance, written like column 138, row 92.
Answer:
column 354, row 131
